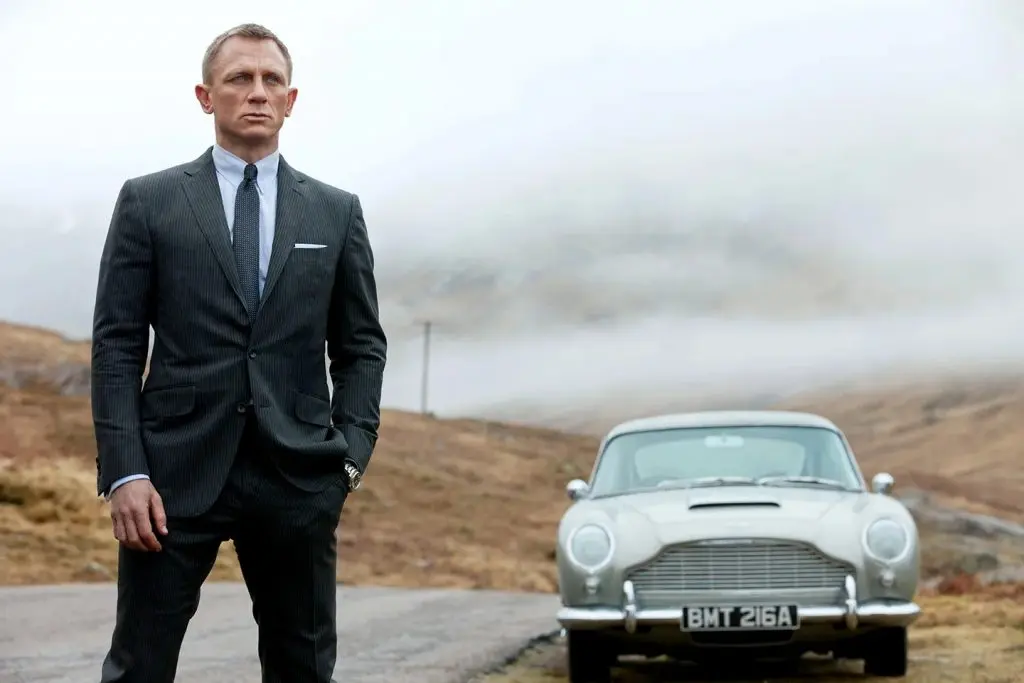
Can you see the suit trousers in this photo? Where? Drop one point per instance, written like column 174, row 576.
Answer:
column 287, row 550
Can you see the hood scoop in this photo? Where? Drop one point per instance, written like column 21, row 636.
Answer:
column 710, row 504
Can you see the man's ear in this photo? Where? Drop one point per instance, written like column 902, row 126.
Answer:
column 203, row 95
column 292, row 94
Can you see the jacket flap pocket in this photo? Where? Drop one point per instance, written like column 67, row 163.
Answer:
column 168, row 401
column 312, row 409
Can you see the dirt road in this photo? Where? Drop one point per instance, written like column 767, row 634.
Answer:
column 59, row 634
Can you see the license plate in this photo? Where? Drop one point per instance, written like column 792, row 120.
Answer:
column 740, row 618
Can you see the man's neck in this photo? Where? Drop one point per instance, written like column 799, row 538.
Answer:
column 247, row 152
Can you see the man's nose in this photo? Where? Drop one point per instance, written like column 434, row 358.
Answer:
column 258, row 92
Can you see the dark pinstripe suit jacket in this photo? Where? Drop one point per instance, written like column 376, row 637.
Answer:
column 168, row 263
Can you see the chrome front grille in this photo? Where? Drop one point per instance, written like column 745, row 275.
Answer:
column 747, row 565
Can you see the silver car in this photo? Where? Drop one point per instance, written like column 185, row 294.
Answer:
column 737, row 534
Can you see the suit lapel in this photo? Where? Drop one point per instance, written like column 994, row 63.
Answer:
column 203, row 193
column 291, row 207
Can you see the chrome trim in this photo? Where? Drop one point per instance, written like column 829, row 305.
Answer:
column 629, row 606
column 736, row 564
column 851, row 602
column 883, row 483
column 576, row 489
column 852, row 613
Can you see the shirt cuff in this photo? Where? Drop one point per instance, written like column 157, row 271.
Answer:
column 124, row 480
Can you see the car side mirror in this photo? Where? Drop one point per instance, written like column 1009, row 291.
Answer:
column 576, row 489
column 883, row 483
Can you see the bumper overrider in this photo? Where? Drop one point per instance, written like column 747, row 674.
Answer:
column 851, row 613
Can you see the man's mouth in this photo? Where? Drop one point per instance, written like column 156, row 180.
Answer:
column 256, row 116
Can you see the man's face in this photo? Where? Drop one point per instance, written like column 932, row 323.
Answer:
column 248, row 93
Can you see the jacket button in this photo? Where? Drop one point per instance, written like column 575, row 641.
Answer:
column 240, row 408
column 252, row 355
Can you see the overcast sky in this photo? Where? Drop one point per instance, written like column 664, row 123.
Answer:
column 887, row 134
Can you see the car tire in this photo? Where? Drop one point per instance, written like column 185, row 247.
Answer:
column 887, row 654
column 589, row 658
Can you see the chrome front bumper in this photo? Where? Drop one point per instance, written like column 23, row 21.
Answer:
column 851, row 612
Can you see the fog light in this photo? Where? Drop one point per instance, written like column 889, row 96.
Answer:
column 887, row 578
column 592, row 583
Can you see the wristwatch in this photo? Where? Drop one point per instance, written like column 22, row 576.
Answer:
column 353, row 476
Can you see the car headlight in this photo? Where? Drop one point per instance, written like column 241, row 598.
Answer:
column 590, row 546
column 886, row 540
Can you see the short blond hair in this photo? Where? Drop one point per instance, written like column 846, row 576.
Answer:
column 252, row 31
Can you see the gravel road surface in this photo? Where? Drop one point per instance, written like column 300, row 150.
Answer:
column 59, row 634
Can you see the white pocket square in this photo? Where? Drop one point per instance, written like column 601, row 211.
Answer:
column 303, row 245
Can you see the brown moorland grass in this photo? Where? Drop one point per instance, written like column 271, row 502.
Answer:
column 447, row 503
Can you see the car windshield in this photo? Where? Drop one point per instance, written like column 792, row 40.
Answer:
column 724, row 456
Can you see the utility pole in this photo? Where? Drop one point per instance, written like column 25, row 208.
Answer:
column 424, row 382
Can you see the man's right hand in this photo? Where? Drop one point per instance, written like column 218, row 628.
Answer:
column 136, row 510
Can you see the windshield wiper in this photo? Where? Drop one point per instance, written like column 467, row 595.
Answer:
column 813, row 481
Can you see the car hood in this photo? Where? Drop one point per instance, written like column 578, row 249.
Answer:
column 655, row 518
column 738, row 502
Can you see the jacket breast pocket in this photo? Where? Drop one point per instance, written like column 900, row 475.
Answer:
column 311, row 272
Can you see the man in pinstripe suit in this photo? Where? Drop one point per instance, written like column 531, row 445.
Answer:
column 246, row 269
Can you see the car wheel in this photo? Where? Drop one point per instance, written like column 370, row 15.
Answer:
column 887, row 654
column 589, row 658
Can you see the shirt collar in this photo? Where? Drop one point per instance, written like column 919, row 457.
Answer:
column 233, row 167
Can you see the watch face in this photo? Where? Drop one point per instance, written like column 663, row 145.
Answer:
column 353, row 477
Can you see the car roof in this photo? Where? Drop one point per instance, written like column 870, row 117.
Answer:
column 723, row 418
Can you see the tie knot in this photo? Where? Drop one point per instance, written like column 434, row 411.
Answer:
column 250, row 172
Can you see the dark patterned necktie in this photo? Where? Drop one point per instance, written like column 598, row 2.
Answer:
column 247, row 239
